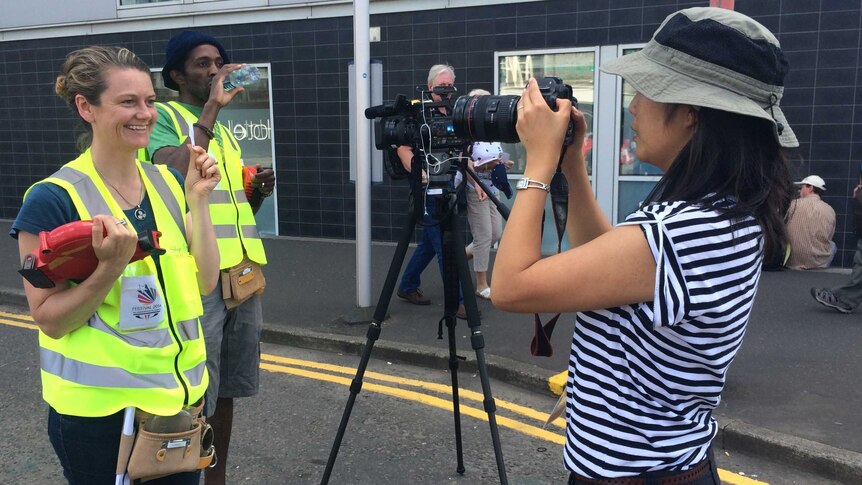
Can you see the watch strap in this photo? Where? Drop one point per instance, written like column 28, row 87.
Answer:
column 528, row 183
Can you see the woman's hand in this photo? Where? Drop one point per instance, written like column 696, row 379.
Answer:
column 574, row 156
column 480, row 193
column 542, row 130
column 114, row 242
column 203, row 175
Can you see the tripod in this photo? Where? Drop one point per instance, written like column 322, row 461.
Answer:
column 456, row 274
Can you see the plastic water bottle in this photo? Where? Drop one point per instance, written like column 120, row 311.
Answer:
column 243, row 76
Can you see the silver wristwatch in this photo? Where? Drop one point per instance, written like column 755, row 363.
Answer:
column 526, row 183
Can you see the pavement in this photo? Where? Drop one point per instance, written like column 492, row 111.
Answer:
column 792, row 394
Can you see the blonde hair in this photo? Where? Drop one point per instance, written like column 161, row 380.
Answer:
column 438, row 69
column 479, row 92
column 83, row 72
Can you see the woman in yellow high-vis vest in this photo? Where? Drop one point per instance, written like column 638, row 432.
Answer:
column 127, row 335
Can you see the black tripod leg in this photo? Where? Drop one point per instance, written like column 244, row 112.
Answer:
column 456, row 400
column 477, row 340
column 450, row 306
column 372, row 335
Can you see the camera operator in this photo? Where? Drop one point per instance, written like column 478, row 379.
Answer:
column 440, row 75
column 663, row 299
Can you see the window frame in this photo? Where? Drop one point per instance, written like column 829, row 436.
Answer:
column 617, row 178
column 269, row 203
column 149, row 3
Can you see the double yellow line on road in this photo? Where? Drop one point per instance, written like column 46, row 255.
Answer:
column 336, row 374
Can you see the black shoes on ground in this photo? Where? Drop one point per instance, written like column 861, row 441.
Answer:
column 827, row 298
column 415, row 297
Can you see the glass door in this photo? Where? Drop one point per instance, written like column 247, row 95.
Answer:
column 249, row 118
column 577, row 68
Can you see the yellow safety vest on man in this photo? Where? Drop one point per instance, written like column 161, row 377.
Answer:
column 102, row 366
column 232, row 217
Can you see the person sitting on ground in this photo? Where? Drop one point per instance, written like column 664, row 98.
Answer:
column 810, row 225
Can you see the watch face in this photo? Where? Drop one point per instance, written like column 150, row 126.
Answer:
column 522, row 183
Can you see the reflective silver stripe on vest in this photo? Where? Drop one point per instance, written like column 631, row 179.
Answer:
column 240, row 196
column 166, row 196
column 86, row 189
column 250, row 232
column 195, row 375
column 227, row 135
column 157, row 338
column 188, row 329
column 97, row 375
column 181, row 121
column 224, row 231
column 220, row 197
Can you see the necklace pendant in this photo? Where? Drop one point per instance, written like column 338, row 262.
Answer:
column 140, row 214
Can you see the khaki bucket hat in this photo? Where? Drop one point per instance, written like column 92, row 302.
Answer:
column 715, row 58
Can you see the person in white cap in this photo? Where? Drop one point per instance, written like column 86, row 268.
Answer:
column 663, row 299
column 810, row 227
column 486, row 224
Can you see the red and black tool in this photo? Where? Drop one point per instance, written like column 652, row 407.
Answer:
column 66, row 253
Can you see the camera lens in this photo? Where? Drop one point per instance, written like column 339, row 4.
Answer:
column 395, row 131
column 486, row 118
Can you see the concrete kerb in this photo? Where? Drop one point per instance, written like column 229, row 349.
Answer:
column 824, row 460
column 820, row 459
column 733, row 435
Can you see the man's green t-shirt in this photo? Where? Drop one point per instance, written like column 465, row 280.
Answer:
column 165, row 134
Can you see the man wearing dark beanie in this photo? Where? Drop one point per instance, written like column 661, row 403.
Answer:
column 196, row 65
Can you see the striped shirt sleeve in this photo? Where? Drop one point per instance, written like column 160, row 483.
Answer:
column 670, row 298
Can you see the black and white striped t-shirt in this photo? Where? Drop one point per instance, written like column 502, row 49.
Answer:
column 644, row 379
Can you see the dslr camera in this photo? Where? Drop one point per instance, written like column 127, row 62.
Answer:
column 423, row 125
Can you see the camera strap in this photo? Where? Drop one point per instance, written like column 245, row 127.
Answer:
column 540, row 345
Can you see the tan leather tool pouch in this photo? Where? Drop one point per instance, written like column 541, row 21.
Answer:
column 158, row 454
column 240, row 282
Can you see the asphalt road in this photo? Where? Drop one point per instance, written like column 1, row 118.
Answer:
column 401, row 430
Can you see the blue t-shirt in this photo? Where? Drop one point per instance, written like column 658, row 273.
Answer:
column 48, row 206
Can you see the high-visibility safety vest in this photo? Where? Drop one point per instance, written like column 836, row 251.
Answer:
column 232, row 217
column 99, row 369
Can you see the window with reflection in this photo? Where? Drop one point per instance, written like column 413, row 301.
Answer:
column 124, row 3
column 248, row 118
column 577, row 69
column 636, row 179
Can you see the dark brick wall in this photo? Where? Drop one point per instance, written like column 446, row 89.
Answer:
column 309, row 60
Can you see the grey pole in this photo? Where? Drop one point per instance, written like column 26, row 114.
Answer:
column 362, row 55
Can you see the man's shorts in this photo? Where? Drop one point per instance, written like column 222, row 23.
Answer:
column 233, row 347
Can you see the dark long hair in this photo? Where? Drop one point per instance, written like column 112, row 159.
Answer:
column 732, row 156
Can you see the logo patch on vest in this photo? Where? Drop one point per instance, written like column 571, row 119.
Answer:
column 140, row 304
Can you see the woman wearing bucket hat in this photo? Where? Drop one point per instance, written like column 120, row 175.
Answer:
column 664, row 298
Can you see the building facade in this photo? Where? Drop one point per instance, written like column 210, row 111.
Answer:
column 297, row 119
